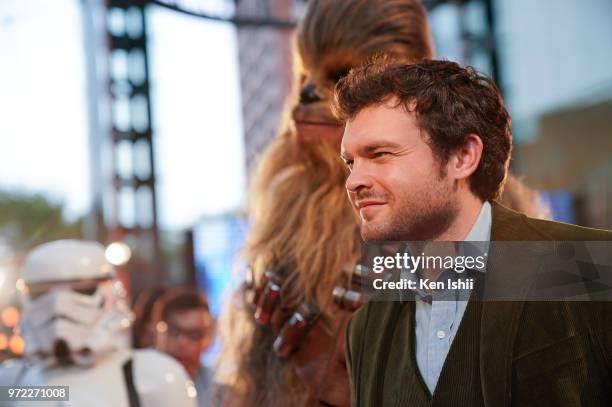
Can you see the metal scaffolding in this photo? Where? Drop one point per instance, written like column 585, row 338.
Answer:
column 135, row 219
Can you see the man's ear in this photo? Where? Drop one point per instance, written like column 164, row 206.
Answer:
column 464, row 160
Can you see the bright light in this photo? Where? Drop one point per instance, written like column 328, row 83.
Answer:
column 16, row 344
column 118, row 253
column 10, row 317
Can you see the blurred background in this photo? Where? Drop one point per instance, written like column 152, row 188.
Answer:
column 135, row 123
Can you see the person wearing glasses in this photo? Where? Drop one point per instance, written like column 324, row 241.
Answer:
column 184, row 328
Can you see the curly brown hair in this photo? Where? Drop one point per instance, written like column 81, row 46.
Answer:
column 450, row 103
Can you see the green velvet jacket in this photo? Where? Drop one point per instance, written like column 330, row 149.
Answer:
column 555, row 353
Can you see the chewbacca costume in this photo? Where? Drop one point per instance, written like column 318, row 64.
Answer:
column 283, row 333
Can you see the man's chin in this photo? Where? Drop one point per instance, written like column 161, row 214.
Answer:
column 373, row 233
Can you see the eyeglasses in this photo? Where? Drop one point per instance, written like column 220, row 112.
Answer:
column 175, row 331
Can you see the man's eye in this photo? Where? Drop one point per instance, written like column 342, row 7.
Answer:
column 349, row 164
column 379, row 154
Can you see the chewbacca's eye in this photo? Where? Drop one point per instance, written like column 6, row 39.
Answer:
column 335, row 76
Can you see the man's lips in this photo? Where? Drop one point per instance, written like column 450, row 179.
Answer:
column 367, row 202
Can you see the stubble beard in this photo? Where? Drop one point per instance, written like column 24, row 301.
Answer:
column 421, row 216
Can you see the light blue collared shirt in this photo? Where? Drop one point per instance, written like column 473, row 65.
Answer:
column 438, row 322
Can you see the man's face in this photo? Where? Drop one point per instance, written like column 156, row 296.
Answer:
column 396, row 183
column 185, row 336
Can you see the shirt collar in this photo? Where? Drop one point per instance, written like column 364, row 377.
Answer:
column 480, row 234
column 481, row 229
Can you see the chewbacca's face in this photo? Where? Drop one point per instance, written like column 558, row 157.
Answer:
column 337, row 35
column 312, row 113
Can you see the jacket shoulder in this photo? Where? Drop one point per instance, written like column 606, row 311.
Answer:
column 564, row 231
column 511, row 225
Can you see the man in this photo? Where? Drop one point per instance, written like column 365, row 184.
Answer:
column 184, row 330
column 427, row 147
column 76, row 328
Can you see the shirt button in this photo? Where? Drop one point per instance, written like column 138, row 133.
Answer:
column 440, row 334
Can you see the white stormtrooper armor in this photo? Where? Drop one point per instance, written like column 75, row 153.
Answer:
column 75, row 324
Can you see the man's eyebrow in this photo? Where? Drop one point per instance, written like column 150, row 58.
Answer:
column 370, row 148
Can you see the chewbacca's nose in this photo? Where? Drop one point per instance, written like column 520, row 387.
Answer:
column 308, row 94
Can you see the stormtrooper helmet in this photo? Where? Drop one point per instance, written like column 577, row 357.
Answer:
column 74, row 310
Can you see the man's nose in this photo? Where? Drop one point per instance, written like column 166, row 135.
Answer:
column 357, row 180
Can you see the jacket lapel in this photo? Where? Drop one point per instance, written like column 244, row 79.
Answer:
column 500, row 319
